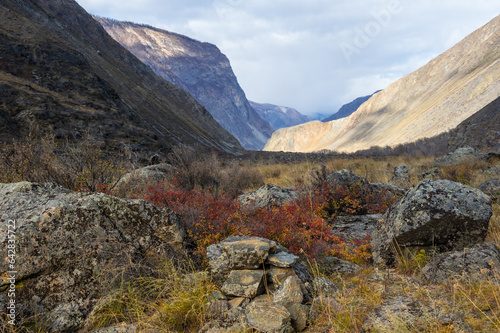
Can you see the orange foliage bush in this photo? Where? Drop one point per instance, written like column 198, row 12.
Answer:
column 298, row 225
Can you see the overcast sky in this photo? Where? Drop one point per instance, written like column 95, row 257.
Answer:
column 313, row 55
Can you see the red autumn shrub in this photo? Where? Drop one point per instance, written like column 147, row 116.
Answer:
column 297, row 226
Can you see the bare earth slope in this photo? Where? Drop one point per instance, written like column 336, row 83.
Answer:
column 199, row 68
column 60, row 70
column 425, row 103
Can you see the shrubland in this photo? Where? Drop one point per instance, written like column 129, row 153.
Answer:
column 204, row 188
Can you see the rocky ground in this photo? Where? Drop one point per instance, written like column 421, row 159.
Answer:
column 93, row 262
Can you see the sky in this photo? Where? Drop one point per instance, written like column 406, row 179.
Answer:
column 313, row 55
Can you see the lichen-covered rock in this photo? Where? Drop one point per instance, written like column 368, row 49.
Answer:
column 401, row 176
column 478, row 262
column 355, row 227
column 492, row 188
column 440, row 214
column 401, row 310
column 324, row 287
column 278, row 275
column 431, row 174
column 268, row 196
column 269, row 317
column 66, row 242
column 346, row 179
column 459, row 156
column 142, row 177
column 244, row 283
column 333, row 265
column 239, row 252
column 282, row 259
column 290, row 291
column 299, row 314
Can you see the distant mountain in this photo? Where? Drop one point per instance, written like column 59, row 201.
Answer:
column 61, row 71
column 347, row 109
column 202, row 70
column 434, row 99
column 279, row 116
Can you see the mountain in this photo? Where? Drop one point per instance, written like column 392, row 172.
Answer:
column 279, row 116
column 201, row 69
column 347, row 109
column 61, row 71
column 481, row 130
column 432, row 100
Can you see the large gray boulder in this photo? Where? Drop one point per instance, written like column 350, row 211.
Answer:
column 68, row 243
column 345, row 178
column 268, row 196
column 440, row 214
column 479, row 262
column 140, row 178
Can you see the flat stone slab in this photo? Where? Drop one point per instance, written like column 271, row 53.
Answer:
column 244, row 283
column 282, row 259
column 269, row 317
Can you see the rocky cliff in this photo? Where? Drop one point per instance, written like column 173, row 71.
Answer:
column 199, row 68
column 279, row 116
column 61, row 71
column 347, row 109
column 425, row 103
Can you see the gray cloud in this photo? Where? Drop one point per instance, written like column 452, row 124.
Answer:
column 293, row 53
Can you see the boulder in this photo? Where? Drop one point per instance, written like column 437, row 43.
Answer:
column 269, row 317
column 239, row 252
column 459, row 156
column 278, row 275
column 67, row 243
column 141, row 177
column 492, row 188
column 345, row 178
column 355, row 227
column 268, row 196
column 479, row 262
column 290, row 291
column 333, row 265
column 431, row 174
column 244, row 283
column 324, row 287
column 440, row 214
column 401, row 176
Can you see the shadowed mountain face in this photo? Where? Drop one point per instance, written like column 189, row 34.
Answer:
column 347, row 109
column 60, row 70
column 199, row 68
column 432, row 100
column 279, row 116
column 481, row 130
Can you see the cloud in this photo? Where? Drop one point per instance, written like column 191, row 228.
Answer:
column 289, row 52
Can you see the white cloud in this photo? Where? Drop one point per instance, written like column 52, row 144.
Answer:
column 287, row 52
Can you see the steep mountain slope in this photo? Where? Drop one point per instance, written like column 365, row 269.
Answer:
column 60, row 70
column 199, row 68
column 481, row 130
column 347, row 109
column 425, row 103
column 279, row 116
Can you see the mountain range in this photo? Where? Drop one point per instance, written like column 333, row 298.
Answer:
column 279, row 116
column 434, row 99
column 347, row 109
column 61, row 72
column 199, row 68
